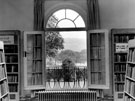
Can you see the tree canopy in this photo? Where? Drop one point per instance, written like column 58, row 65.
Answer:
column 77, row 57
column 54, row 40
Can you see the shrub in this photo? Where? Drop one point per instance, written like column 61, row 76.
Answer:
column 68, row 67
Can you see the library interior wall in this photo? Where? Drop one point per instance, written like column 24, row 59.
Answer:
column 18, row 14
column 54, row 5
column 117, row 13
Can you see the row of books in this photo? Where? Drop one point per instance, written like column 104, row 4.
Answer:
column 130, row 71
column 2, row 58
column 130, row 87
column 123, row 38
column 3, row 88
column 131, row 55
column 2, row 72
column 13, row 78
column 119, row 77
column 13, row 88
column 11, row 49
column 120, row 58
column 119, row 87
column 119, row 67
column 34, row 79
column 12, row 68
column 11, row 58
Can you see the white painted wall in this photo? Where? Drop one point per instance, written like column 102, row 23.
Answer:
column 117, row 13
column 16, row 14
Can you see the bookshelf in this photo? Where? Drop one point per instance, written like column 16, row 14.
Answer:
column 129, row 90
column 11, row 39
column 120, row 38
column 3, row 75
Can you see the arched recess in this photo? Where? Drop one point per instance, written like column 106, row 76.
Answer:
column 64, row 5
column 72, row 29
column 65, row 18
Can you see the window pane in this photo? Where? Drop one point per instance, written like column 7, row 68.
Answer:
column 34, row 59
column 52, row 22
column 97, row 58
column 70, row 14
column 65, row 18
column 60, row 14
column 66, row 62
column 66, row 24
column 79, row 22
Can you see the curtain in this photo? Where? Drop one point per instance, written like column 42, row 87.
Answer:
column 38, row 15
column 93, row 14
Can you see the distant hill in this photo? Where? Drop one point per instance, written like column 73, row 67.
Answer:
column 74, row 44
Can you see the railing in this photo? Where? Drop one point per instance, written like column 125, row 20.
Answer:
column 75, row 78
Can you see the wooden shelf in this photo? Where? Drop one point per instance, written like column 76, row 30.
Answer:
column 120, row 53
column 11, row 39
column 3, row 79
column 130, row 72
column 4, row 95
column 11, row 53
column 129, row 95
column 120, row 72
column 3, row 74
column 129, row 78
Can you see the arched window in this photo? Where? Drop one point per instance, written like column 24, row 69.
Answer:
column 65, row 18
column 66, row 55
column 66, row 59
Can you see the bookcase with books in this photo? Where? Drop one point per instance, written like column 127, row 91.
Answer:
column 129, row 89
column 120, row 38
column 3, row 75
column 11, row 39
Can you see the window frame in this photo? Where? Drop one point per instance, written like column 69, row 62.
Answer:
column 90, row 86
column 107, row 82
column 66, row 30
column 26, row 86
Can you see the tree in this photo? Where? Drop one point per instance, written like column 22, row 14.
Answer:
column 83, row 56
column 54, row 40
column 77, row 57
column 68, row 68
column 67, row 54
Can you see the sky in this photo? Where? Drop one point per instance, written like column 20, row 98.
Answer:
column 71, row 19
column 79, row 34
column 75, row 41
